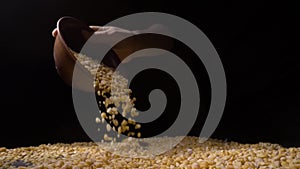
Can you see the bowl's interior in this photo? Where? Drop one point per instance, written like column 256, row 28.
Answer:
column 74, row 32
column 72, row 35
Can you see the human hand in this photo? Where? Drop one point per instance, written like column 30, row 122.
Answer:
column 110, row 35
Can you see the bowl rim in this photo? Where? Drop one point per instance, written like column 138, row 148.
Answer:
column 61, row 35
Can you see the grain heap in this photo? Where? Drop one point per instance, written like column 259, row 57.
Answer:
column 188, row 154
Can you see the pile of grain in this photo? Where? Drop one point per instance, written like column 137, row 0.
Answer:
column 187, row 154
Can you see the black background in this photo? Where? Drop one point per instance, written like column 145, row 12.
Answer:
column 256, row 42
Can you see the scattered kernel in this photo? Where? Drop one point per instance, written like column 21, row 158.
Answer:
column 107, row 138
column 137, row 126
column 124, row 123
column 98, row 120
column 103, row 115
column 116, row 123
column 119, row 130
column 108, row 127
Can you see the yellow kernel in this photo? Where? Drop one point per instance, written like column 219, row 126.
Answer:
column 103, row 115
column 124, row 123
column 116, row 123
column 98, row 120
column 107, row 138
column 137, row 126
column 108, row 127
column 131, row 121
column 120, row 130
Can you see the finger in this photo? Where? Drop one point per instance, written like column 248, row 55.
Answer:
column 108, row 35
column 54, row 32
column 100, row 28
column 95, row 28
